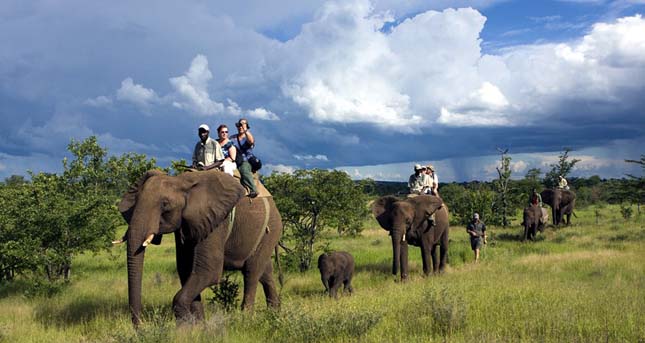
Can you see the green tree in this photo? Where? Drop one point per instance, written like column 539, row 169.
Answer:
column 562, row 168
column 636, row 184
column 312, row 201
column 502, row 206
column 54, row 217
column 15, row 180
column 17, row 243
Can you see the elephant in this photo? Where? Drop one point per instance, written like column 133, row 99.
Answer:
column 532, row 221
column 336, row 268
column 409, row 221
column 195, row 206
column 562, row 202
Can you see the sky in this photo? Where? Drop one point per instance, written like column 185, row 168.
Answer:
column 369, row 87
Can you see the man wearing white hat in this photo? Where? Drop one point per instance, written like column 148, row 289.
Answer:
column 416, row 180
column 207, row 151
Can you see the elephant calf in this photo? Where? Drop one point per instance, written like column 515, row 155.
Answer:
column 336, row 268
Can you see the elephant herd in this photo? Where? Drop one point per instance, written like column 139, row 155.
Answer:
column 217, row 228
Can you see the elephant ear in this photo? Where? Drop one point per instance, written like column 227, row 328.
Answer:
column 382, row 210
column 210, row 197
column 129, row 198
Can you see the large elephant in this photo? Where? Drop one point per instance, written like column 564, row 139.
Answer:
column 562, row 202
column 408, row 221
column 195, row 206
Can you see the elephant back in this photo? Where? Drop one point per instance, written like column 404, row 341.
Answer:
column 256, row 225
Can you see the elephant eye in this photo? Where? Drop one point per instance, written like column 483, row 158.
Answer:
column 165, row 204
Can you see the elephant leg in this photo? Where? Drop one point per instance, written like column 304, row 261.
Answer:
column 443, row 251
column 425, row 257
column 335, row 284
column 404, row 260
column 207, row 268
column 348, row 285
column 184, row 257
column 268, row 285
column 251, row 280
column 325, row 281
column 436, row 258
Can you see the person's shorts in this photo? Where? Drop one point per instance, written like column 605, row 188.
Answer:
column 476, row 243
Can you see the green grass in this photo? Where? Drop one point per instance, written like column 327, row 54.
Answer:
column 583, row 283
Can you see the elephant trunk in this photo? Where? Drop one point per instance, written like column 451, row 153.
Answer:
column 135, row 274
column 137, row 236
column 396, row 251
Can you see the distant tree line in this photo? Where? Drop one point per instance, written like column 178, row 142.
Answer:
column 489, row 198
column 47, row 220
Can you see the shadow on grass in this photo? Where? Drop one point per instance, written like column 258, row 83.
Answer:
column 509, row 237
column 14, row 287
column 80, row 310
column 384, row 268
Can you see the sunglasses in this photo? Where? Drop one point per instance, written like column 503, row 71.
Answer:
column 223, row 132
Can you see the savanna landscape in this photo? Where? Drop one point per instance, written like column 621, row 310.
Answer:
column 581, row 283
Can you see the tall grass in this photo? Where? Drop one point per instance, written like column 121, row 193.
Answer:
column 583, row 283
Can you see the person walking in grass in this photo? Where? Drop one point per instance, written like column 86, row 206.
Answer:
column 477, row 231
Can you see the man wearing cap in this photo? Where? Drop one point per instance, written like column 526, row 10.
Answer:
column 477, row 231
column 416, row 180
column 431, row 181
column 208, row 153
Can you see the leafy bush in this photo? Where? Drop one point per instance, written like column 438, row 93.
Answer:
column 225, row 293
column 294, row 325
column 626, row 211
column 312, row 201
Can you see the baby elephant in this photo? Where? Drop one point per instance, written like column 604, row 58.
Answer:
column 336, row 268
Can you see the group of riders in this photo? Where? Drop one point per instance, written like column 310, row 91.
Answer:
column 228, row 153
column 425, row 181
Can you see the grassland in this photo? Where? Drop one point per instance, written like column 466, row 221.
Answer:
column 583, row 283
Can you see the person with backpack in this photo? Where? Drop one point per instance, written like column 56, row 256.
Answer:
column 245, row 142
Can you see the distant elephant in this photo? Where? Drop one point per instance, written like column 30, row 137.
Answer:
column 532, row 221
column 336, row 268
column 408, row 221
column 195, row 206
column 562, row 202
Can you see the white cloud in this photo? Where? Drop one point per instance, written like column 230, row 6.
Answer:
column 135, row 93
column 310, row 157
column 99, row 101
column 519, row 166
column 233, row 108
column 192, row 89
column 281, row 168
column 262, row 113
column 430, row 69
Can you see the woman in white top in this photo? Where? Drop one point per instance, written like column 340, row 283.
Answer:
column 228, row 149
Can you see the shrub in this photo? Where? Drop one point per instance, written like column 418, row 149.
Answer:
column 225, row 294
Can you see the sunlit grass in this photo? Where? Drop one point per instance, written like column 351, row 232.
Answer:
column 580, row 283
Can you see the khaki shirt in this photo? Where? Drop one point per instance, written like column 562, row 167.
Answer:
column 207, row 153
column 562, row 183
column 415, row 183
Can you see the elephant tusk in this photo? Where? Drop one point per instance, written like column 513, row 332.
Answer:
column 148, row 240
column 119, row 241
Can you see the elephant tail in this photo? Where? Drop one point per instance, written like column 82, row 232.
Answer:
column 574, row 214
column 277, row 263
